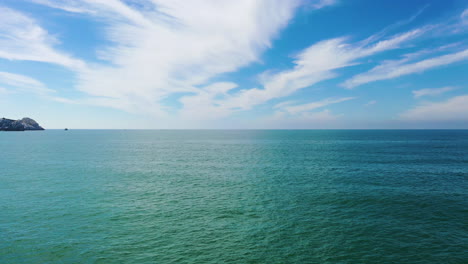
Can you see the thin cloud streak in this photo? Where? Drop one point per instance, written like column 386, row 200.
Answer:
column 323, row 3
column 453, row 109
column 432, row 91
column 21, row 38
column 23, row 83
column 397, row 68
column 313, row 65
column 314, row 105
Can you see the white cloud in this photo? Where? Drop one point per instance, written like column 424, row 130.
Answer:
column 4, row 90
column 323, row 3
column 21, row 38
column 23, row 83
column 397, row 68
column 301, row 116
column 464, row 16
column 373, row 102
column 73, row 6
column 167, row 47
column 453, row 109
column 432, row 91
column 313, row 65
column 201, row 106
column 284, row 104
column 408, row 65
column 295, row 109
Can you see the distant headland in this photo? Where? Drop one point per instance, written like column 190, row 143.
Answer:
column 19, row 125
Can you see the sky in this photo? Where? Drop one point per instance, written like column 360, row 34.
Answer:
column 244, row 64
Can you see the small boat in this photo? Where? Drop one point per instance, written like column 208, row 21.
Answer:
column 66, row 129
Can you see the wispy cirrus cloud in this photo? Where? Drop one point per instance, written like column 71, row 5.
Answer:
column 151, row 58
column 464, row 16
column 4, row 90
column 23, row 83
column 73, row 6
column 314, row 64
column 163, row 50
column 309, row 115
column 323, row 3
column 372, row 102
column 453, row 109
column 22, row 38
column 163, row 47
column 397, row 68
column 409, row 64
column 295, row 109
column 432, row 91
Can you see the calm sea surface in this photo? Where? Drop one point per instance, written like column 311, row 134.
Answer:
column 317, row 196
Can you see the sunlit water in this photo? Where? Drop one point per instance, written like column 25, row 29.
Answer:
column 117, row 196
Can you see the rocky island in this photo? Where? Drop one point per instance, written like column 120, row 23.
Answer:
column 19, row 125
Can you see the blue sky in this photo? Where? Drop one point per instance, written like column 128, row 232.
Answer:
column 235, row 64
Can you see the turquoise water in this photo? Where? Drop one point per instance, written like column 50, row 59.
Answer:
column 323, row 196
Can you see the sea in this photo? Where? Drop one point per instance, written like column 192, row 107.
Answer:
column 234, row 196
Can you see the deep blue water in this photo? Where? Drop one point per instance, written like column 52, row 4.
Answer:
column 228, row 196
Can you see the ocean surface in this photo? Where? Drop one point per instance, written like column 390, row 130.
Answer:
column 233, row 196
